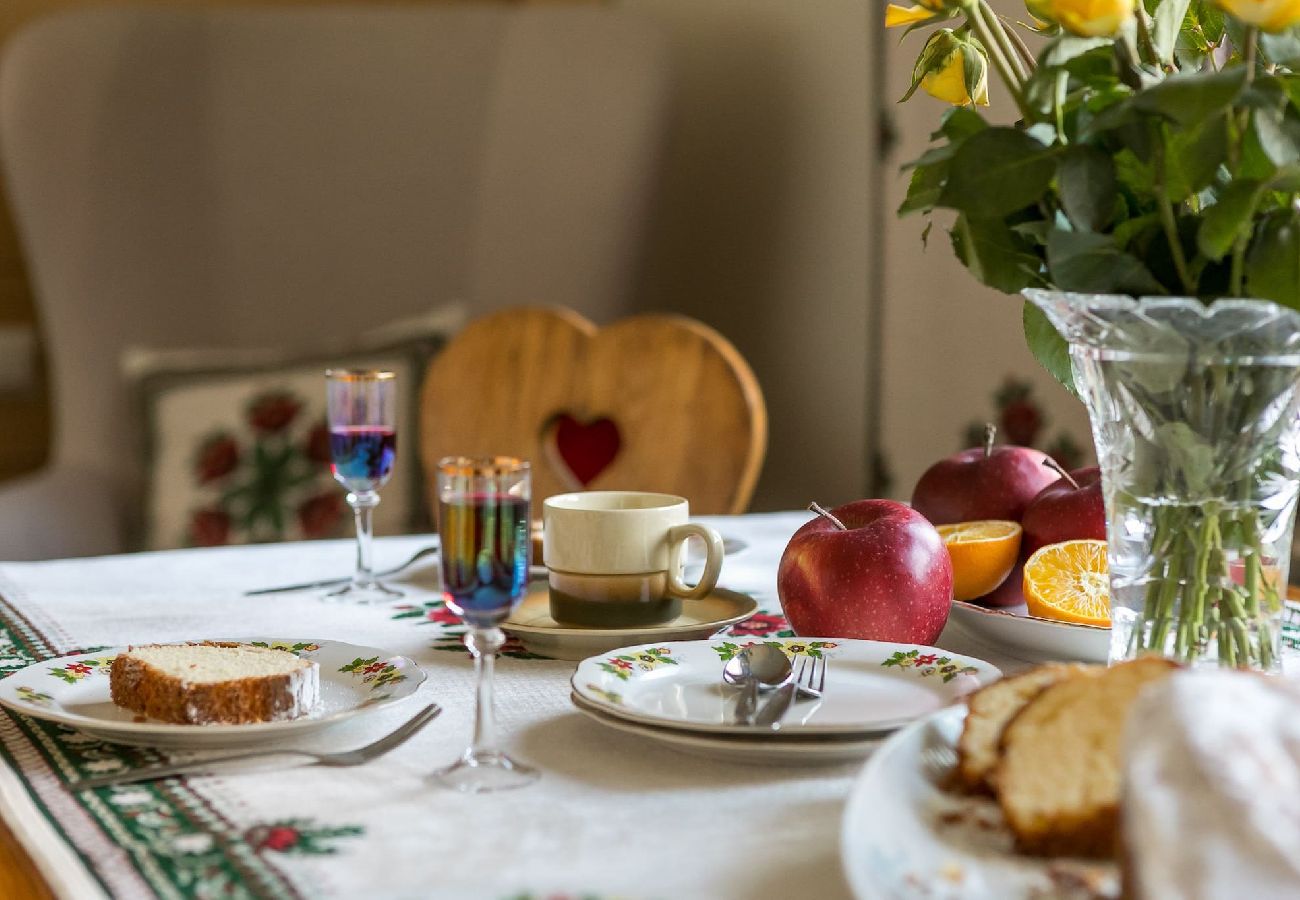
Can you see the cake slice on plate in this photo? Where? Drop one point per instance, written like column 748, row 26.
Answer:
column 991, row 708
column 214, row 683
column 1058, row 778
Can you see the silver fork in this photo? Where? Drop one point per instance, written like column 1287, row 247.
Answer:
column 395, row 738
column 806, row 674
column 330, row 582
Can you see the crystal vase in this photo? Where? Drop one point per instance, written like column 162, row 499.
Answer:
column 1195, row 413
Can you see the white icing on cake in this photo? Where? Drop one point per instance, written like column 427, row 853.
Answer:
column 1212, row 789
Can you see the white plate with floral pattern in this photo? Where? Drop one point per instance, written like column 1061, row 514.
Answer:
column 871, row 686
column 73, row 690
column 770, row 750
column 1012, row 629
column 905, row 833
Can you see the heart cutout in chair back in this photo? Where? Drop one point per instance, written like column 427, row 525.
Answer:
column 582, row 450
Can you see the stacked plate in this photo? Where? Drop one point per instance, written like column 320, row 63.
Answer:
column 673, row 693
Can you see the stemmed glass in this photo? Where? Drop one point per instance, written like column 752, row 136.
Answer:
column 362, row 409
column 483, row 523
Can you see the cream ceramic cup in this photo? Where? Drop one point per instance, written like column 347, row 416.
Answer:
column 614, row 558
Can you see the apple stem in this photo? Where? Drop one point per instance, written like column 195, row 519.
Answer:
column 990, row 435
column 828, row 515
column 1060, row 470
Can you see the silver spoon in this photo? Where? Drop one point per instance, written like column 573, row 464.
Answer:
column 758, row 668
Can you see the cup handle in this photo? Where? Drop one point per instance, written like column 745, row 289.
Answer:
column 712, row 565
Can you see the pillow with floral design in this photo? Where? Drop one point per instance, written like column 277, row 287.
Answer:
column 238, row 449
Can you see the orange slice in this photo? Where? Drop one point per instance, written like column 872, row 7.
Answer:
column 1069, row 582
column 983, row 555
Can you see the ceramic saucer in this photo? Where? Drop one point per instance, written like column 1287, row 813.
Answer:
column 532, row 624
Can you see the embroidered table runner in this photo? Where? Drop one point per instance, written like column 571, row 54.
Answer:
column 613, row 816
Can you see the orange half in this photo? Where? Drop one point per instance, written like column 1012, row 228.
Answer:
column 983, row 555
column 1069, row 582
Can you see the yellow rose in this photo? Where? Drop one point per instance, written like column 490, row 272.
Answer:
column 1268, row 15
column 926, row 10
column 1090, row 18
column 952, row 68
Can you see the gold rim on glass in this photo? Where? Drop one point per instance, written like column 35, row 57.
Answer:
column 360, row 374
column 480, row 467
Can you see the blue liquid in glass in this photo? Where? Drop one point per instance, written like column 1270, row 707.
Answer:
column 363, row 456
column 485, row 550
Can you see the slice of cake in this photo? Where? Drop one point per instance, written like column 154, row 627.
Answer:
column 1212, row 789
column 214, row 683
column 1058, row 778
column 990, row 709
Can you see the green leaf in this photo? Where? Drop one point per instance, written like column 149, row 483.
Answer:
column 1278, row 133
column 1061, row 50
column 1129, row 229
column 1085, row 180
column 1192, row 98
column 1281, row 49
column 1092, row 263
column 924, row 189
column 998, row 171
column 1273, row 261
column 994, row 254
column 1168, row 22
column 1229, row 218
column 1193, row 156
column 1047, row 345
column 959, row 123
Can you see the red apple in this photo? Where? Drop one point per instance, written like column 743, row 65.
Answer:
column 1068, row 509
column 874, row 569
column 982, row 483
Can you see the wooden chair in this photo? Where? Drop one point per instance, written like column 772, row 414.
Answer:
column 652, row 402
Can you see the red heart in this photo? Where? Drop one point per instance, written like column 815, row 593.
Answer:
column 587, row 449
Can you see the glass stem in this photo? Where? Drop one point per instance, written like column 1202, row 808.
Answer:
column 363, row 505
column 483, row 645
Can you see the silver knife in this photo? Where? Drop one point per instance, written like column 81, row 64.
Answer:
column 772, row 711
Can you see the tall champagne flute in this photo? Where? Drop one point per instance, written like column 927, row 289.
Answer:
column 483, row 523
column 362, row 409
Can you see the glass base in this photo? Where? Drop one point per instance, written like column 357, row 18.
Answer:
column 364, row 594
column 485, row 772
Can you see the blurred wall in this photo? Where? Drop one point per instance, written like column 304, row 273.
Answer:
column 762, row 227
column 24, row 402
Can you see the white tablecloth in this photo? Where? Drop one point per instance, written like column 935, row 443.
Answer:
column 613, row 816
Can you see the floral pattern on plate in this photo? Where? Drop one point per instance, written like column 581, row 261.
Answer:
column 793, row 648
column 927, row 664
column 33, row 696
column 77, row 669
column 624, row 666
column 374, row 671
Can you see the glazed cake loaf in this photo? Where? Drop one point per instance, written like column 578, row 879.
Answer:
column 1212, row 789
column 214, row 683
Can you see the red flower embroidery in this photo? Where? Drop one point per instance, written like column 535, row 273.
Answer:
column 927, row 660
column 443, row 616
column 210, row 527
column 317, row 447
column 319, row 516
column 217, row 458
column 272, row 412
column 760, row 625
column 280, row 838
